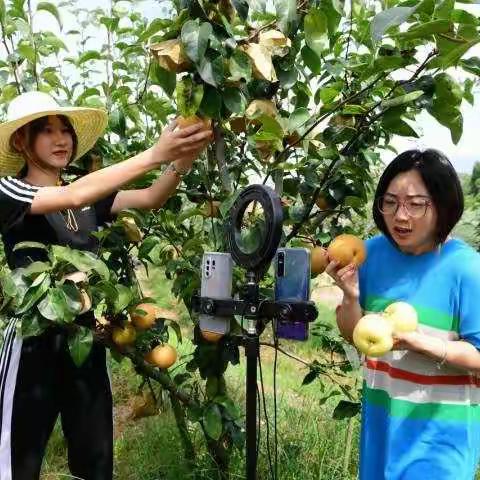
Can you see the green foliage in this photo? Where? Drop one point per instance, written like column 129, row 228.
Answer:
column 307, row 94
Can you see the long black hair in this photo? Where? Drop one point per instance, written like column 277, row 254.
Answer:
column 442, row 183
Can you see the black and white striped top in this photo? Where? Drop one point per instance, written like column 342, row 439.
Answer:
column 17, row 224
column 18, row 189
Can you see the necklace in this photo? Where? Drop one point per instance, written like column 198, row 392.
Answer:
column 68, row 215
column 70, row 220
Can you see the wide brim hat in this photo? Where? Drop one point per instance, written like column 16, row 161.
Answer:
column 88, row 123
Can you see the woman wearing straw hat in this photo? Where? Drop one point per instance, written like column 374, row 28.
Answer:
column 38, row 380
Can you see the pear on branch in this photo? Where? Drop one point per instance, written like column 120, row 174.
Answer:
column 257, row 108
column 170, row 56
column 262, row 64
column 132, row 232
column 275, row 41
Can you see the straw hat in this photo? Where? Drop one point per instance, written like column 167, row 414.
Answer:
column 88, row 123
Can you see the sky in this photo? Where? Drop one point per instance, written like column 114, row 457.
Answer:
column 432, row 134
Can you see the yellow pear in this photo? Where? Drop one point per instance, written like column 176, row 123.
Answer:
column 373, row 335
column 403, row 317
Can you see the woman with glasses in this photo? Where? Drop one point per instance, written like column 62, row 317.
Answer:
column 421, row 401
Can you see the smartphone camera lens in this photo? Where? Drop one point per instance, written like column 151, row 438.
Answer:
column 281, row 264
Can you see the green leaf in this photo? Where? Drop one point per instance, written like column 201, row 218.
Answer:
column 195, row 39
column 392, row 122
column 240, row 66
column 165, row 79
column 81, row 260
column 444, row 9
column 311, row 59
column 111, row 23
column 34, row 293
column 402, row 99
column 148, row 244
column 176, row 328
column 298, row 118
column 55, row 307
column 211, row 102
column 155, row 26
column 468, row 91
column 463, row 17
column 212, row 421
column 189, row 97
column 211, row 69
column 389, row 18
column 2, row 11
column 471, row 65
column 346, row 409
column 447, row 89
column 287, row 15
column 310, row 377
column 32, row 326
column 448, row 116
column 117, row 123
column 89, row 55
column 234, row 100
column 26, row 50
column 229, row 405
column 212, row 387
column 287, row 78
column 453, row 56
column 241, row 6
column 73, row 297
column 23, row 245
column 8, row 286
column 35, row 268
column 316, row 30
column 270, row 126
column 124, row 297
column 80, row 344
column 328, row 94
column 425, row 30
column 334, row 10
column 9, row 92
column 49, row 7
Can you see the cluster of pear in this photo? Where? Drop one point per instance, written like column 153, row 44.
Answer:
column 374, row 333
column 143, row 317
column 345, row 249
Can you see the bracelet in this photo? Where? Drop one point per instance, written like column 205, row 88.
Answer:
column 179, row 173
column 441, row 362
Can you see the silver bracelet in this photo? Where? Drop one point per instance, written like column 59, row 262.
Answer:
column 172, row 168
column 441, row 362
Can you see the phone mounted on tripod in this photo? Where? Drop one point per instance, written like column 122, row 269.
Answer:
column 252, row 249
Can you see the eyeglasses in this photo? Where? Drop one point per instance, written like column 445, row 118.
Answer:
column 416, row 207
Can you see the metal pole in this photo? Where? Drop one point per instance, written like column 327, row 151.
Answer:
column 252, row 346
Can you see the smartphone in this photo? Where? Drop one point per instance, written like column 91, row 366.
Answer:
column 216, row 282
column 292, row 282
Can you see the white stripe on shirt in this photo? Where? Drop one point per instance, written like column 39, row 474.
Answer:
column 14, row 196
column 21, row 183
column 16, row 189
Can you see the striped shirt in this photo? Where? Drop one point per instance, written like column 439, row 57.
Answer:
column 418, row 420
column 18, row 225
column 17, row 189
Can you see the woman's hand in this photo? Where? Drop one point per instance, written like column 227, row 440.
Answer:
column 184, row 144
column 346, row 278
column 184, row 163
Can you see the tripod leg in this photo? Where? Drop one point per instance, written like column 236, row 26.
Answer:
column 251, row 351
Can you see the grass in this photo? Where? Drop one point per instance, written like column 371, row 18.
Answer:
column 311, row 445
